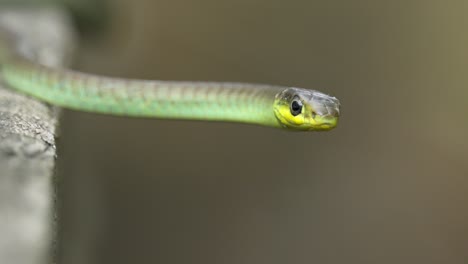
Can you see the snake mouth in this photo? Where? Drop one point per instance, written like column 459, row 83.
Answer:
column 326, row 123
column 325, row 111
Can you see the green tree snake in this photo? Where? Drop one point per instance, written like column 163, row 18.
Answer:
column 275, row 106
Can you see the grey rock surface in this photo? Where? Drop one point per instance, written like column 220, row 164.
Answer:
column 27, row 141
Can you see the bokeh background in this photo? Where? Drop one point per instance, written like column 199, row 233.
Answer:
column 389, row 185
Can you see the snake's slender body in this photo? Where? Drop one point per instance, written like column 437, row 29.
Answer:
column 237, row 102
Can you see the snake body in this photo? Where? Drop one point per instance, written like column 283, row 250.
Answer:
column 268, row 105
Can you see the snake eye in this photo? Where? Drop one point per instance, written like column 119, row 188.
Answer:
column 296, row 107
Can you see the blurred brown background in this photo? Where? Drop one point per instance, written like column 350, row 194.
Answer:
column 389, row 185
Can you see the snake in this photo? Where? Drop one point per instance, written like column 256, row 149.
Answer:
column 284, row 107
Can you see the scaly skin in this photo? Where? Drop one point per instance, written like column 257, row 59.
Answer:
column 236, row 102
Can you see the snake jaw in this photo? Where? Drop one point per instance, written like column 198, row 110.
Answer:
column 326, row 110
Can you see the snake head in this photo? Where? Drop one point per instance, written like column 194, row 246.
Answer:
column 302, row 109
